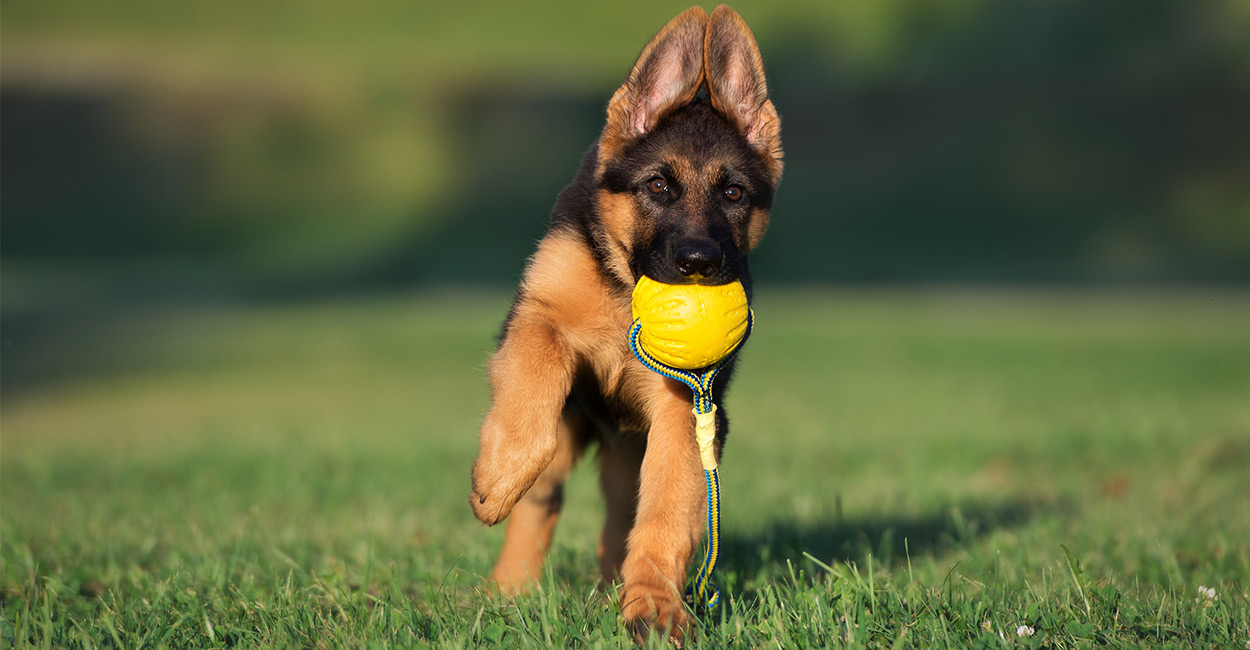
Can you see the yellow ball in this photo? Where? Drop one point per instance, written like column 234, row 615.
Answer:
column 690, row 326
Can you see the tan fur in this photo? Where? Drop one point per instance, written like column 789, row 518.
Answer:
column 759, row 224
column 519, row 435
column 617, row 213
column 568, row 315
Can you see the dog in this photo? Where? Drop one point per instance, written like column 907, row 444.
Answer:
column 678, row 187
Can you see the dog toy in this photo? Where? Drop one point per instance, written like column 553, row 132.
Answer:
column 689, row 332
column 690, row 326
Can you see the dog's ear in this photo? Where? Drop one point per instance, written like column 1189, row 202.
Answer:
column 735, row 81
column 668, row 74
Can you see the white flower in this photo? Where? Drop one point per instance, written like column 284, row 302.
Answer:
column 1025, row 630
column 1206, row 595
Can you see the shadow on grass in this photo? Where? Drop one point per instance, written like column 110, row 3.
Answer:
column 890, row 540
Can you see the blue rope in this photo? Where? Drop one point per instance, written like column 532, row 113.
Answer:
column 700, row 383
column 703, row 590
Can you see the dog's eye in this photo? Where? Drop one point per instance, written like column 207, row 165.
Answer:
column 733, row 192
column 657, row 185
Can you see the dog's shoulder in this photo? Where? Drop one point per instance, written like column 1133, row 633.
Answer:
column 577, row 214
column 566, row 281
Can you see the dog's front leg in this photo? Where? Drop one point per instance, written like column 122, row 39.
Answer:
column 670, row 515
column 531, row 375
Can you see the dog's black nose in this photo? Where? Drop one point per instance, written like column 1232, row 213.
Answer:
column 697, row 260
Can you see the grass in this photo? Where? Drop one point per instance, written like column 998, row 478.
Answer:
column 906, row 469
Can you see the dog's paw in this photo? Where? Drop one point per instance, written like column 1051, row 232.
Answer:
column 649, row 612
column 492, row 501
column 506, row 466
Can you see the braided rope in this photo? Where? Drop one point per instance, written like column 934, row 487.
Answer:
column 700, row 383
column 703, row 590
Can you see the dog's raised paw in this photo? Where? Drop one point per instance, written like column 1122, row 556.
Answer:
column 506, row 466
column 492, row 503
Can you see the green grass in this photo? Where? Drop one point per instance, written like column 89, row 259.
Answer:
column 905, row 470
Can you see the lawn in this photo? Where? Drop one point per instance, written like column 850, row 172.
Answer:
column 907, row 469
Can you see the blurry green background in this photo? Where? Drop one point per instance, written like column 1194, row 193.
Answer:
column 158, row 153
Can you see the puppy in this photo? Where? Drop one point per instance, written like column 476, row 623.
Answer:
column 678, row 187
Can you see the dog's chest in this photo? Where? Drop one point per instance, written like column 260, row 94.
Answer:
column 611, row 390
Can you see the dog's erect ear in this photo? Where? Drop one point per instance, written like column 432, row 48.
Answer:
column 667, row 75
column 735, row 80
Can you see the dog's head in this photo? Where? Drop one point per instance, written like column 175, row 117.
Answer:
column 686, row 180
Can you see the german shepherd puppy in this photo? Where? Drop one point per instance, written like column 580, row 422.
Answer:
column 678, row 188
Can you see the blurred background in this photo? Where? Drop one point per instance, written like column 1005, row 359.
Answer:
column 164, row 154
column 255, row 256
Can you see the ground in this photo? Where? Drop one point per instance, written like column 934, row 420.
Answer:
column 924, row 468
